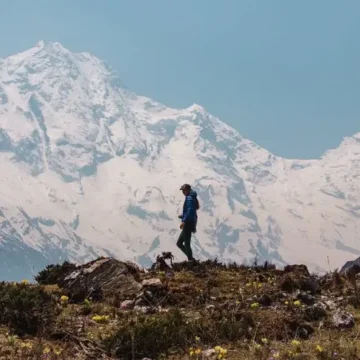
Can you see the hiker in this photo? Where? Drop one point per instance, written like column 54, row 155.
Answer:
column 188, row 220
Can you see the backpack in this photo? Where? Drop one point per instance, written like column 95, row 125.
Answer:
column 197, row 205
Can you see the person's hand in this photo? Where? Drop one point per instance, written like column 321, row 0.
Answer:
column 182, row 225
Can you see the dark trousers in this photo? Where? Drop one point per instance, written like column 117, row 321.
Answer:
column 184, row 240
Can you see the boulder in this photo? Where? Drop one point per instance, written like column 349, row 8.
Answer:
column 99, row 279
column 155, row 283
column 351, row 267
column 343, row 319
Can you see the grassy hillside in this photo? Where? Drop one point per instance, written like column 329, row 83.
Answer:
column 190, row 311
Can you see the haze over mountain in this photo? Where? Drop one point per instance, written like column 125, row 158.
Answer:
column 90, row 168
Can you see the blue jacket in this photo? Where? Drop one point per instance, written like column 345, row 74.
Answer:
column 189, row 208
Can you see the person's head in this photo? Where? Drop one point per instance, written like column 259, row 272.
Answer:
column 186, row 188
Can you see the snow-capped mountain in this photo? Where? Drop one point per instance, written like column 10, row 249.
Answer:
column 89, row 168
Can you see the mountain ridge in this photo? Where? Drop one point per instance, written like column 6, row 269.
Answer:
column 104, row 165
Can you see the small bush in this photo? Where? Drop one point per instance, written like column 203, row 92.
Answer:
column 26, row 309
column 54, row 274
column 151, row 336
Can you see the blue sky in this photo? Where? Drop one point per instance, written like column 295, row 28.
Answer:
column 285, row 74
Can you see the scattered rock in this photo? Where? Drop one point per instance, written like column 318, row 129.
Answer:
column 330, row 304
column 163, row 310
column 302, row 330
column 152, row 283
column 208, row 353
column 343, row 319
column 315, row 313
column 305, row 330
column 140, row 301
column 127, row 304
column 306, row 298
column 144, row 309
column 265, row 300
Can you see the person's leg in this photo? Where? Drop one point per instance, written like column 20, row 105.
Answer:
column 180, row 242
column 187, row 241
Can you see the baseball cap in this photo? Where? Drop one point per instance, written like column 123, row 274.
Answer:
column 185, row 186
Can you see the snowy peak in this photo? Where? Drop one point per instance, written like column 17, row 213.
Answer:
column 91, row 168
column 78, row 116
column 50, row 54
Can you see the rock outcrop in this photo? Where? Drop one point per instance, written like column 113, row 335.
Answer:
column 102, row 278
column 351, row 267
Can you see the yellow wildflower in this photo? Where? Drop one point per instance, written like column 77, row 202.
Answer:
column 86, row 302
column 26, row 345
column 319, row 348
column 25, row 282
column 58, row 351
column 286, row 303
column 197, row 338
column 276, row 355
column 264, row 341
column 254, row 305
column 217, row 348
column 297, row 303
column 46, row 350
column 12, row 340
column 198, row 351
column 64, row 299
column 295, row 343
column 101, row 318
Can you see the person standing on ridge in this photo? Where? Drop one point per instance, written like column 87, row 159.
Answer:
column 188, row 220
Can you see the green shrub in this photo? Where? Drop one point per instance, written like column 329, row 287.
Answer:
column 155, row 335
column 54, row 274
column 26, row 309
column 151, row 336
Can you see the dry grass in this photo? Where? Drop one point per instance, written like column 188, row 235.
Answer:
column 251, row 312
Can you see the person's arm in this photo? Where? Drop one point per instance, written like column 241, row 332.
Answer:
column 189, row 208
